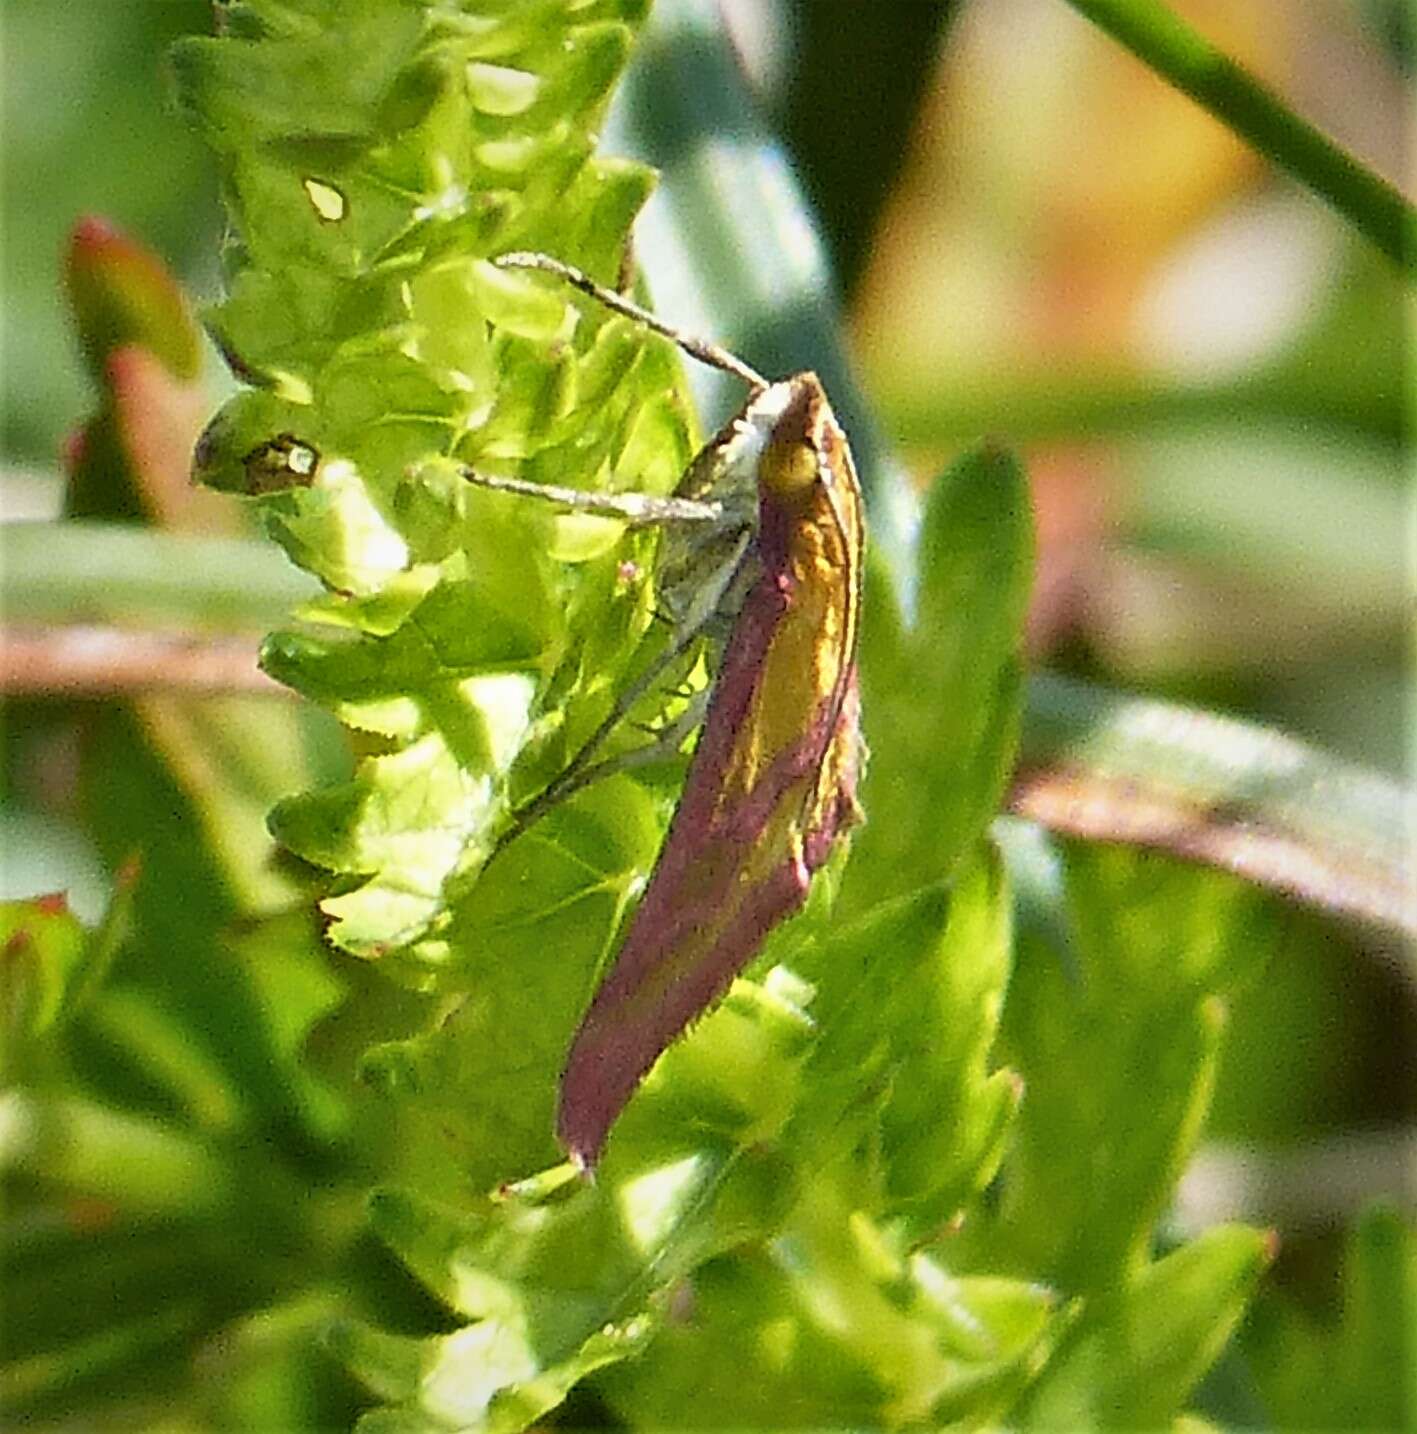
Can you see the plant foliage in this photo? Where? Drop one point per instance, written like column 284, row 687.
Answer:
column 912, row 1172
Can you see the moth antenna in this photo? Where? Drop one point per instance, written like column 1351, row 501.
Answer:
column 701, row 349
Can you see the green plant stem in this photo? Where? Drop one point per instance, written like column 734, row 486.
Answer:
column 1187, row 60
column 1220, row 792
column 87, row 570
column 1028, row 407
column 93, row 660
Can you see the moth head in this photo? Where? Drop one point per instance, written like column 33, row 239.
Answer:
column 799, row 435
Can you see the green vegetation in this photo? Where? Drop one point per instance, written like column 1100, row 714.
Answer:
column 277, row 1128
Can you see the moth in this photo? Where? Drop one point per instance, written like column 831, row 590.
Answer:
column 762, row 554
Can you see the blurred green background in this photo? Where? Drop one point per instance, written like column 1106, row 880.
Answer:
column 88, row 130
column 1202, row 367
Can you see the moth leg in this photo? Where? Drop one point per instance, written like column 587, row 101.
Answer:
column 674, row 730
column 578, row 775
column 581, row 770
column 664, row 742
column 638, row 510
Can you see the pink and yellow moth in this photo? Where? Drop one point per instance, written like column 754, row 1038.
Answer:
column 764, row 547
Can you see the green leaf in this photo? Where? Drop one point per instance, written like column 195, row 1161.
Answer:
column 944, row 1127
column 1116, row 1034
column 1352, row 1367
column 488, row 1070
column 906, row 1003
column 138, row 1164
column 704, row 1161
column 556, row 1287
column 369, row 194
column 944, row 695
column 478, row 1379
column 79, row 571
column 1137, row 1355
column 829, row 1325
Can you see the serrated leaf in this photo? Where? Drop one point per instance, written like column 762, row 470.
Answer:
column 368, row 197
column 477, row 1379
column 827, row 1325
column 526, row 945
column 556, row 1287
column 943, row 1128
column 1140, row 1352
column 1116, row 1036
column 733, row 1083
column 698, row 1166
column 906, row 1000
column 945, row 694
